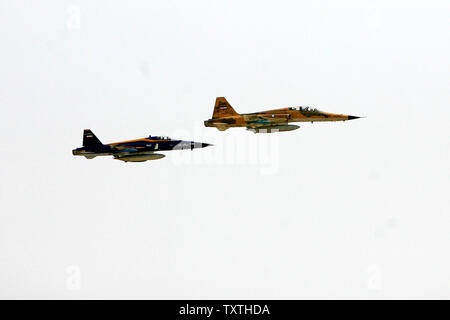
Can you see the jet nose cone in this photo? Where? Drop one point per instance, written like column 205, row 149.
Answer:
column 353, row 117
column 204, row 145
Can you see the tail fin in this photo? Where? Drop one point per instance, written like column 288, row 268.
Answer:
column 223, row 109
column 90, row 140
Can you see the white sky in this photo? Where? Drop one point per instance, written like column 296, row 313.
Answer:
column 358, row 209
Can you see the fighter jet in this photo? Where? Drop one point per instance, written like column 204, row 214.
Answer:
column 138, row 150
column 224, row 117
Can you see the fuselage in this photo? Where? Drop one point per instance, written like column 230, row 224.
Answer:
column 276, row 116
column 138, row 147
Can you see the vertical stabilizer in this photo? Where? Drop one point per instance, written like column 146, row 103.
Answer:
column 90, row 140
column 223, row 109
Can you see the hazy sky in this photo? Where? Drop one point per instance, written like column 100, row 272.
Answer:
column 358, row 209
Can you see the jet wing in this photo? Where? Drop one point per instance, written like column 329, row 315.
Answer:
column 124, row 148
column 255, row 121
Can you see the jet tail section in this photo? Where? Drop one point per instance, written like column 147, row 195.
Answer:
column 90, row 141
column 223, row 109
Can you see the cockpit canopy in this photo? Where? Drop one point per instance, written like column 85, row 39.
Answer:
column 305, row 108
column 159, row 137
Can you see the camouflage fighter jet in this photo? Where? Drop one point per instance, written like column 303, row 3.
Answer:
column 138, row 150
column 224, row 117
